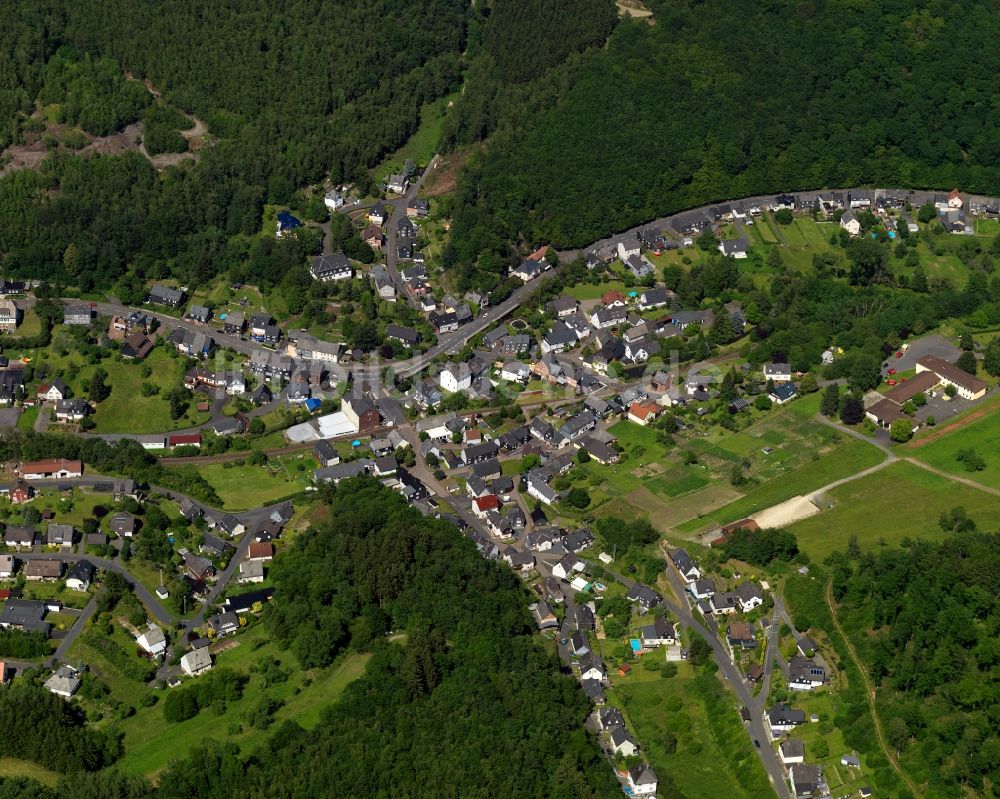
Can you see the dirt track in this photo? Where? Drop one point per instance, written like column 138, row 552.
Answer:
column 944, row 430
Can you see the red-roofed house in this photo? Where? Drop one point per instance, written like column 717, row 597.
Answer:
column 480, row 505
column 643, row 412
column 184, row 440
column 261, row 550
column 613, row 299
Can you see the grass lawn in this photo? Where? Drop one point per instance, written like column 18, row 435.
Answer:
column 851, row 457
column 979, row 435
column 31, row 325
column 26, row 421
column 151, row 743
column 897, row 502
column 126, row 410
column 714, row 757
column 13, row 767
column 246, row 486
column 589, row 291
column 422, row 145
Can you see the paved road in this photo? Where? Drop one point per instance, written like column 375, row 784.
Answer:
column 756, row 728
column 61, row 651
column 149, row 600
column 392, row 229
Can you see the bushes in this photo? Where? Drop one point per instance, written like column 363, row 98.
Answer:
column 130, row 665
column 218, row 687
column 760, row 547
column 20, row 644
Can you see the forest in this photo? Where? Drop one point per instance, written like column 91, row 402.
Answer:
column 925, row 620
column 720, row 99
column 320, row 89
column 461, row 680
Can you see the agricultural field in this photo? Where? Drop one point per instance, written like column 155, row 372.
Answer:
column 686, row 498
column 978, row 436
column 243, row 486
column 151, row 742
column 897, row 502
column 690, row 733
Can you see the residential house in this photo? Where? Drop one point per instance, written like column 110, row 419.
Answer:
column 221, row 624
column 198, row 313
column 806, row 781
column 783, row 718
column 628, row 247
column 327, row 268
column 610, row 717
column 660, row 633
column 80, row 575
column 777, row 372
column 740, row 634
column 805, row 674
column 24, row 614
column 544, row 617
column 591, row 668
column 124, row 525
column 343, row 471
column 639, row 266
column 10, row 316
column 654, row 298
column 152, row 641
column 606, row 317
column 641, row 780
column 361, row 412
column 643, row 412
column 71, row 410
column 622, row 743
column 19, row 536
column 722, row 603
column 404, row 335
column 56, row 390
column 164, row 295
column 559, row 338
column 287, row 224
column 136, row 346
column 791, row 751
column 686, row 567
column 76, row 313
column 735, row 248
column 455, row 377
column 749, row 596
column 782, row 393
column 20, row 492
column 397, row 183
column 702, row 589
column 7, row 566
column 566, row 568
column 64, row 682
column 850, row 223
column 42, row 569
column 59, row 535
column 251, row 571
column 646, row 598
column 196, row 662
column 418, row 208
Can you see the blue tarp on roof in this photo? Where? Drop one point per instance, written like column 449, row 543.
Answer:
column 312, row 404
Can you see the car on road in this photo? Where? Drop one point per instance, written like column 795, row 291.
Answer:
column 756, row 742
column 892, row 371
column 899, row 354
column 564, row 641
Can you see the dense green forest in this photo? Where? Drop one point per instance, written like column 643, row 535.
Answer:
column 722, row 99
column 461, row 681
column 925, row 619
column 41, row 727
column 291, row 97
